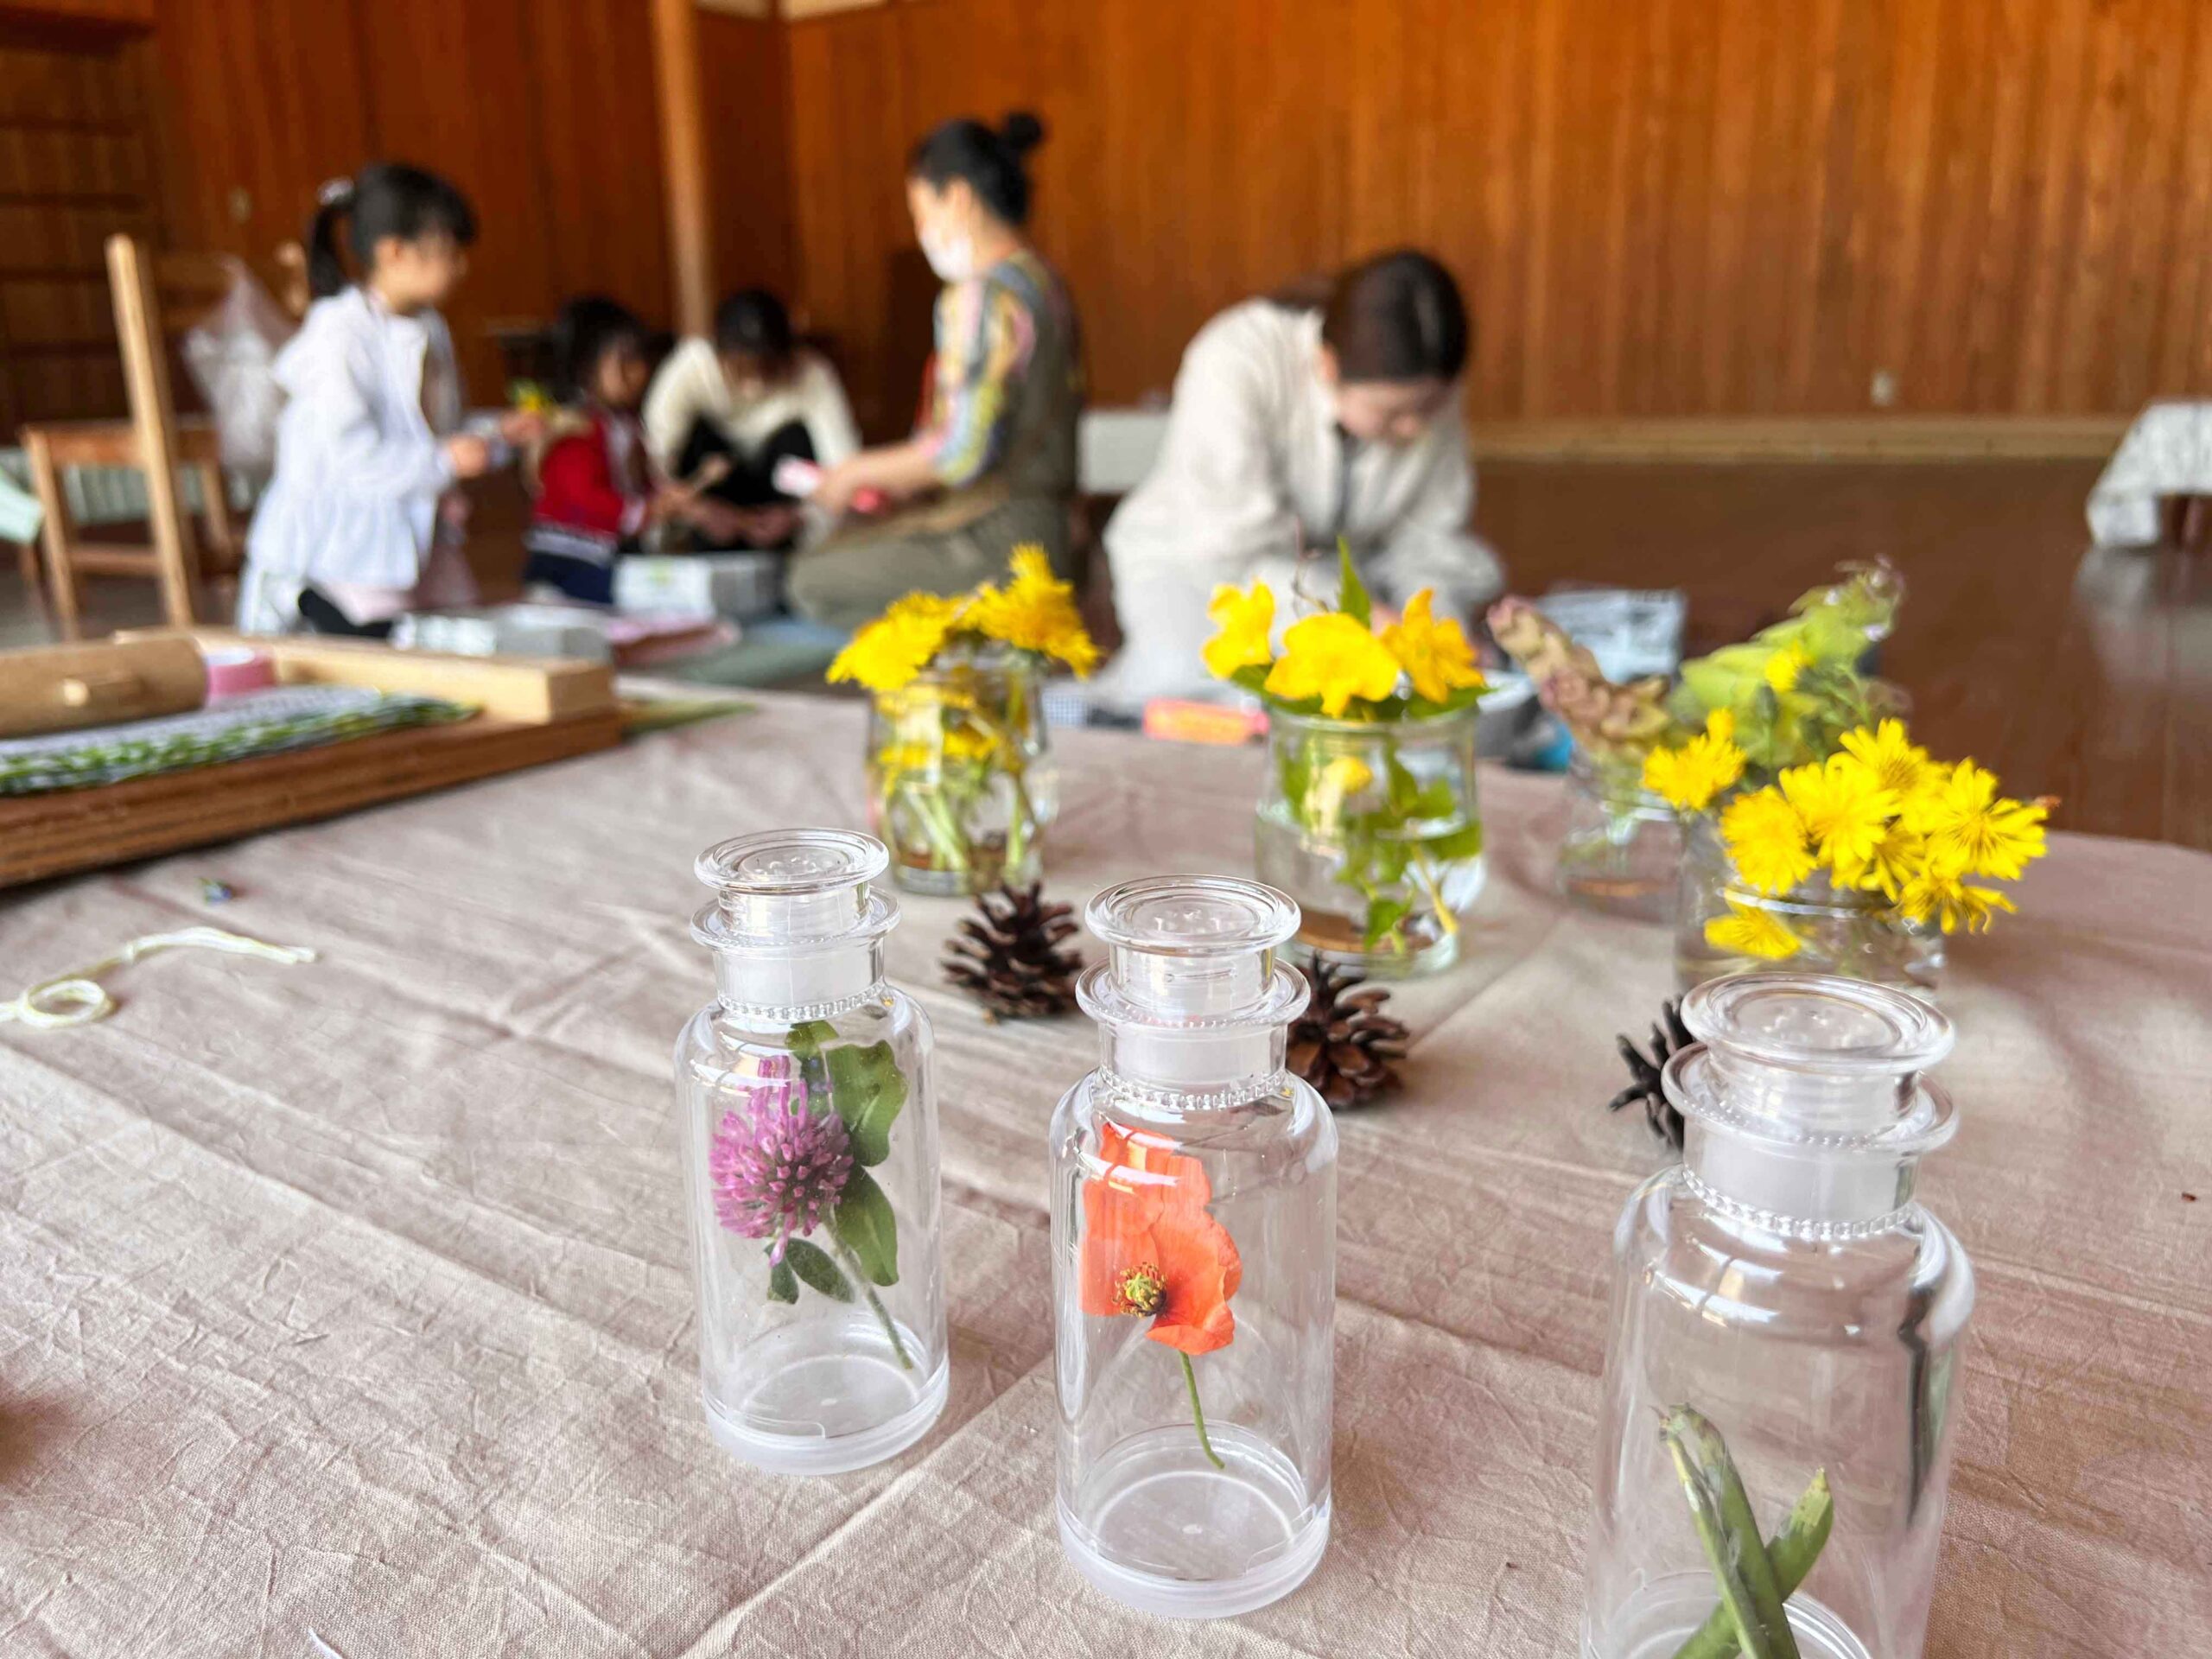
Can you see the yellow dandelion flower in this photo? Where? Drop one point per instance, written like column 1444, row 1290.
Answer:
column 1964, row 816
column 1900, row 855
column 1845, row 808
column 1433, row 649
column 1767, row 841
column 1748, row 931
column 889, row 651
column 1335, row 658
column 1247, row 622
column 1688, row 778
column 1938, row 895
column 1896, row 762
column 1034, row 612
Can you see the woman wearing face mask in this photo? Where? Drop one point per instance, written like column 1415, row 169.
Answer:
column 1300, row 419
column 992, row 465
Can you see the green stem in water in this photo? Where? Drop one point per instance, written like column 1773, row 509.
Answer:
column 1426, row 877
column 1793, row 1551
column 854, row 1271
column 1198, row 1412
column 937, row 823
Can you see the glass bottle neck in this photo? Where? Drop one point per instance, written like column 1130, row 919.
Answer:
column 785, row 986
column 1180, row 1070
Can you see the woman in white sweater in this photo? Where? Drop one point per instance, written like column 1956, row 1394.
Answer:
column 1298, row 419
column 744, row 400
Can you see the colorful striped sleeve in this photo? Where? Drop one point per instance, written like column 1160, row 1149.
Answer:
column 985, row 336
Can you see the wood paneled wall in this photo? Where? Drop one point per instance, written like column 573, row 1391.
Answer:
column 73, row 171
column 542, row 111
column 1677, row 207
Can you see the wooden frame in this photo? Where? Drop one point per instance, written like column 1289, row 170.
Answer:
column 149, row 291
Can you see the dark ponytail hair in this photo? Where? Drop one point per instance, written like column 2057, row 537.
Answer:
column 1397, row 316
column 753, row 323
column 589, row 328
column 989, row 159
column 388, row 199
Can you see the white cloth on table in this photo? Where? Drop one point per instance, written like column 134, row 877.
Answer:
column 353, row 503
column 1253, row 473
column 357, row 1298
column 2167, row 452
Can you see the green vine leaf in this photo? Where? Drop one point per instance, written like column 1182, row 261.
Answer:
column 816, row 1270
column 1384, row 916
column 782, row 1287
column 866, row 1089
column 864, row 1224
column 1465, row 843
column 1352, row 593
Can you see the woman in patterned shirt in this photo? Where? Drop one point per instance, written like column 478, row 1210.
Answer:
column 992, row 464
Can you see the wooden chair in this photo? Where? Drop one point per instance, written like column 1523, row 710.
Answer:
column 155, row 296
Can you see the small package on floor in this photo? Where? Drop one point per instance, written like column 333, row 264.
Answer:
column 587, row 631
column 740, row 586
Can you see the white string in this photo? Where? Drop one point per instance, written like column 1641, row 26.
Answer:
column 76, row 998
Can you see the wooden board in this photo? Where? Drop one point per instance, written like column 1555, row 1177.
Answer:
column 535, row 712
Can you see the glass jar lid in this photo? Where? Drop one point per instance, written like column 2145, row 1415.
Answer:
column 1195, row 952
column 1815, row 1061
column 794, row 890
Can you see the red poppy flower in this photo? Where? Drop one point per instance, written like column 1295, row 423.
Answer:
column 1149, row 1248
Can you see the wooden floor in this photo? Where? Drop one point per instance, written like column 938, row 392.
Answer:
column 2084, row 675
column 2079, row 674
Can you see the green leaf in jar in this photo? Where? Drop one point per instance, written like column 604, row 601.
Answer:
column 863, row 1224
column 816, row 1270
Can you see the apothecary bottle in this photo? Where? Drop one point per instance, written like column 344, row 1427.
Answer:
column 810, row 1154
column 1193, row 1190
column 1781, row 1284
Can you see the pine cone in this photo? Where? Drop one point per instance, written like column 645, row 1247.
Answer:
column 1009, row 957
column 1343, row 1043
column 1667, row 1041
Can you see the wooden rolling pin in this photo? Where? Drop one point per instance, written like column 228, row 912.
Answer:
column 61, row 687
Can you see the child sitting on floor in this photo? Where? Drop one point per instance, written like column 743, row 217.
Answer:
column 596, row 492
column 744, row 401
column 362, row 519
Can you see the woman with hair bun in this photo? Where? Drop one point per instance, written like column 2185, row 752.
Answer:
column 1329, row 411
column 991, row 465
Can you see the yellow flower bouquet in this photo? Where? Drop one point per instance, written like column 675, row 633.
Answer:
column 1370, row 818
column 1819, row 834
column 960, row 780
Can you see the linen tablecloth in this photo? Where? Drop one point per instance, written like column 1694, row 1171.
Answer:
column 344, row 1308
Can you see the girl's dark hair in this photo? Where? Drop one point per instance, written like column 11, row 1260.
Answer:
column 1397, row 316
column 589, row 328
column 753, row 323
column 989, row 158
column 388, row 199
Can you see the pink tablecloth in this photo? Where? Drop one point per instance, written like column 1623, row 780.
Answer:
column 351, row 1299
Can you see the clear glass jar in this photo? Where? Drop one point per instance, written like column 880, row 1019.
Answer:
column 1373, row 828
column 1781, row 1282
column 810, row 1151
column 1818, row 928
column 1622, row 848
column 961, row 783
column 1193, row 1261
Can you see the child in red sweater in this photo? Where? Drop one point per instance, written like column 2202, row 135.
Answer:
column 596, row 492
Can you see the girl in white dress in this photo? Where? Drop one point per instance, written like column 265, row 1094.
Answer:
column 362, row 519
column 1298, row 420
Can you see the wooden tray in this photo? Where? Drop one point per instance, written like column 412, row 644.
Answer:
column 533, row 711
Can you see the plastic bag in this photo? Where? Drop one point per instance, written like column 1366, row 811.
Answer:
column 232, row 355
